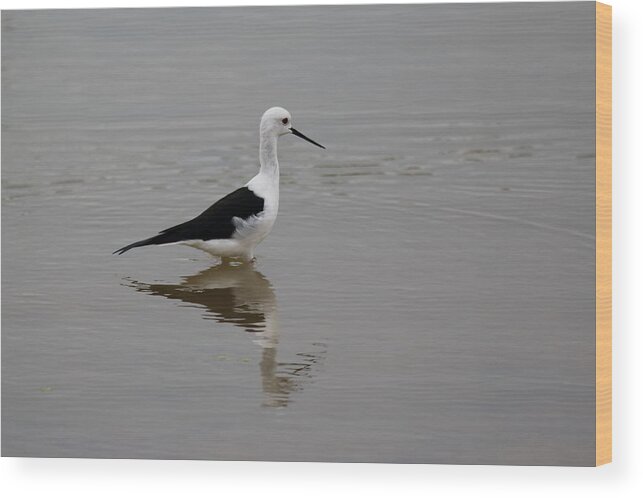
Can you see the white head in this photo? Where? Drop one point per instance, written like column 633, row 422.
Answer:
column 277, row 121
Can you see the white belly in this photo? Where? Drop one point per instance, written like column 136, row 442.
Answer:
column 248, row 234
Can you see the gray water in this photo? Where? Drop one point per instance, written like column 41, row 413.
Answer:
column 427, row 294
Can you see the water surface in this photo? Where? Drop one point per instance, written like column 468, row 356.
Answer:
column 427, row 294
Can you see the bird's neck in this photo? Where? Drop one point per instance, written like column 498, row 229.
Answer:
column 268, row 157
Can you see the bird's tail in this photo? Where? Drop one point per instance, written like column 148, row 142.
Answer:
column 147, row 242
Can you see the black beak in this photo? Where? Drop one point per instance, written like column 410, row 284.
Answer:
column 301, row 135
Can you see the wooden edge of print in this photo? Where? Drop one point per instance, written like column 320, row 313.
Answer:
column 603, row 234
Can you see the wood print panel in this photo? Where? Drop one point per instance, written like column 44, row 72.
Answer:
column 603, row 233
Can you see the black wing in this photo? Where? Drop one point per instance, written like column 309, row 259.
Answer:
column 213, row 223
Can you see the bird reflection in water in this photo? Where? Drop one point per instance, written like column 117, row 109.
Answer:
column 242, row 296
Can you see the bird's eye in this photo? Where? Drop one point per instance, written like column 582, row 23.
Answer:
column 284, row 121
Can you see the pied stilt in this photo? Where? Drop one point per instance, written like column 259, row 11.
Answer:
column 234, row 225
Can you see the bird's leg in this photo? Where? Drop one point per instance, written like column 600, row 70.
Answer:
column 244, row 259
column 248, row 258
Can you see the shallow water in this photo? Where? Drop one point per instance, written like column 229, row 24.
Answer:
column 427, row 294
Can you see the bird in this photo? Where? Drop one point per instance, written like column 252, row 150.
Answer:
column 233, row 226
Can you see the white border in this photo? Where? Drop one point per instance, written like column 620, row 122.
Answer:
column 77, row 4
column 111, row 478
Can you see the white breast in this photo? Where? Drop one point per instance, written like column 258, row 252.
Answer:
column 267, row 187
column 251, row 231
